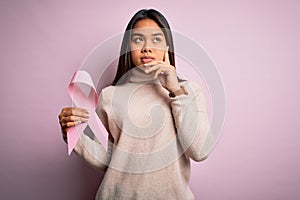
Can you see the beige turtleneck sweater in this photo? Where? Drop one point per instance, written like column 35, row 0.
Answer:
column 151, row 139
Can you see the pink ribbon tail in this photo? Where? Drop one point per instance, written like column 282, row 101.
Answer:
column 89, row 102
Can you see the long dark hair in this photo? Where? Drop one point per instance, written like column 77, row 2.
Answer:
column 125, row 62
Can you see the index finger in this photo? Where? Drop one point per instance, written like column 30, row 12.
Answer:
column 166, row 58
column 79, row 109
column 76, row 111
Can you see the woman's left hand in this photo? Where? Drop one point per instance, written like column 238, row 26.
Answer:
column 165, row 72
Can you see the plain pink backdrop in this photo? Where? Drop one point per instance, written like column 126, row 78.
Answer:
column 254, row 44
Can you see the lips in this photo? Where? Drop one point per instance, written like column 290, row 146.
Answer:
column 146, row 59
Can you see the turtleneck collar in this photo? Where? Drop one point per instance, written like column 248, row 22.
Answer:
column 138, row 75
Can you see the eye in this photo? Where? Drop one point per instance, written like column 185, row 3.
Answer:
column 156, row 40
column 137, row 39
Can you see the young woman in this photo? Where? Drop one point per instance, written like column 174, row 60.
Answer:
column 156, row 122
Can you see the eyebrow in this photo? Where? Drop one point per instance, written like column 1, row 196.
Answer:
column 137, row 34
column 141, row 35
column 156, row 34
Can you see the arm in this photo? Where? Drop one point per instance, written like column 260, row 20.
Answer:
column 191, row 122
column 189, row 111
column 90, row 149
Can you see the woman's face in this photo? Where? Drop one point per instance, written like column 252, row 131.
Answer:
column 147, row 43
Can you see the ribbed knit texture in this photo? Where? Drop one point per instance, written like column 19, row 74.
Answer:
column 153, row 137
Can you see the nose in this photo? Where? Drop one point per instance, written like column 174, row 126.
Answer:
column 146, row 50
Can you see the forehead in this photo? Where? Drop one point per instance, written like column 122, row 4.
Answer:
column 146, row 23
column 146, row 26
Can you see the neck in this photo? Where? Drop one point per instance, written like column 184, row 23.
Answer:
column 138, row 75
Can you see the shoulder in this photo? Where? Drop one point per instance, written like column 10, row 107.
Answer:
column 105, row 96
column 106, row 92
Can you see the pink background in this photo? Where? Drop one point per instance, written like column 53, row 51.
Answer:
column 254, row 44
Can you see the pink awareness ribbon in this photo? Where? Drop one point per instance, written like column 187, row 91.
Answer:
column 90, row 103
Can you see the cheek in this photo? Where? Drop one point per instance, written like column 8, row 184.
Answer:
column 135, row 47
column 159, row 54
column 135, row 57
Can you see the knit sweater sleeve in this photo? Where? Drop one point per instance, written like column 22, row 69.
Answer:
column 89, row 148
column 192, row 123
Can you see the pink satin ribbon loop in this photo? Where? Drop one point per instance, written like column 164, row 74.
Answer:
column 89, row 102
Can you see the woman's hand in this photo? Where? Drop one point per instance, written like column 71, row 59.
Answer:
column 165, row 72
column 70, row 117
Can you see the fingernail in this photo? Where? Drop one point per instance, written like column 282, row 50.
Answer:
column 84, row 120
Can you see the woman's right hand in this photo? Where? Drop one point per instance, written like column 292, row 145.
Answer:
column 71, row 116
